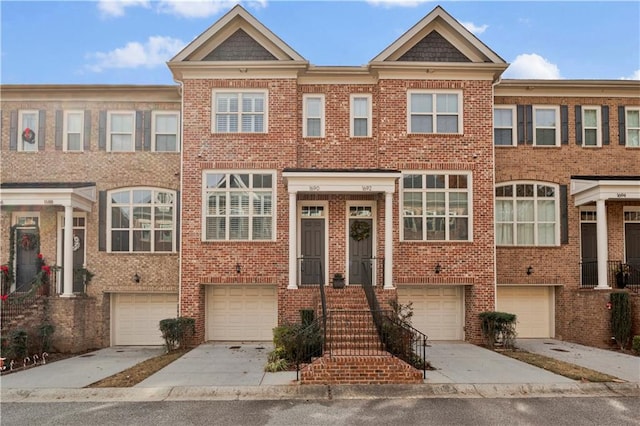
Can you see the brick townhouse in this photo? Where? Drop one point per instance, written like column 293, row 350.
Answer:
column 230, row 197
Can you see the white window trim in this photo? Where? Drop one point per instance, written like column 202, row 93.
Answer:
column 21, row 143
column 352, row 116
column 17, row 215
column 598, row 127
column 274, row 203
column 469, row 191
column 133, row 131
column 65, row 133
column 535, row 198
column 154, row 114
column 557, row 127
column 627, row 128
column 109, row 228
column 514, row 128
column 305, row 115
column 460, row 113
column 265, row 92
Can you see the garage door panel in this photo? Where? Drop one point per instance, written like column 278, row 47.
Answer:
column 533, row 307
column 238, row 312
column 437, row 311
column 136, row 317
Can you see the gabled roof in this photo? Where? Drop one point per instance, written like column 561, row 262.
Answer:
column 438, row 38
column 233, row 35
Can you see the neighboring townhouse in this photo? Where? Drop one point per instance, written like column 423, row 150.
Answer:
column 107, row 160
column 232, row 197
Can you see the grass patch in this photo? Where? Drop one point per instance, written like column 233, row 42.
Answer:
column 134, row 375
column 562, row 368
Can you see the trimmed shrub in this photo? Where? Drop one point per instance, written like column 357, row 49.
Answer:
column 498, row 328
column 635, row 346
column 621, row 318
column 45, row 333
column 177, row 332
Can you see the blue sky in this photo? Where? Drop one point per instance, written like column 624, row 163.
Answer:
column 129, row 41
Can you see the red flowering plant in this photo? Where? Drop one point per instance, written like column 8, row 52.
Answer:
column 6, row 282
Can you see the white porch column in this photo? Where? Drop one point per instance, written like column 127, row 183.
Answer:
column 388, row 240
column 67, row 267
column 293, row 249
column 603, row 247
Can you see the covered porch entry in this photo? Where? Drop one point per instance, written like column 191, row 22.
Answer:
column 334, row 218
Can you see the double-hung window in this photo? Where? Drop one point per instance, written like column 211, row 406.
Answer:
column 360, row 116
column 142, row 220
column 313, row 113
column 121, row 127
column 240, row 112
column 436, row 206
column 632, row 127
column 28, row 136
column 73, row 129
column 434, row 112
column 504, row 130
column 527, row 214
column 166, row 131
column 546, row 130
column 591, row 134
column 238, row 205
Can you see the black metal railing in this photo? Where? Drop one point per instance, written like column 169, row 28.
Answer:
column 310, row 343
column 619, row 275
column 352, row 333
column 398, row 337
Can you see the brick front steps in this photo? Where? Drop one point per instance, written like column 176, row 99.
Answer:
column 379, row 369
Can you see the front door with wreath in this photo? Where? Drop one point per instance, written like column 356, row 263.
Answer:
column 26, row 247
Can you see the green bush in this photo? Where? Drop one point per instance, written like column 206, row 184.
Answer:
column 297, row 342
column 621, row 318
column 177, row 332
column 635, row 346
column 498, row 327
column 45, row 333
column 18, row 344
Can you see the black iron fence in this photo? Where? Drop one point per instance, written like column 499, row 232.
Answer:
column 619, row 275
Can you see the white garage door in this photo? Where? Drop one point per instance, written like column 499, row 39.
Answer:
column 239, row 312
column 136, row 317
column 437, row 311
column 533, row 307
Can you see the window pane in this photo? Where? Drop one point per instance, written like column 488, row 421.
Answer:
column 216, row 181
column 503, row 118
column 74, row 123
column 215, row 228
column 262, row 228
column 590, row 118
column 435, row 228
column 142, row 196
column 217, row 204
column 504, row 233
column 545, row 191
column 591, row 137
column 446, row 103
column 142, row 240
column 524, row 211
column 435, row 181
column 545, row 137
column 163, row 240
column 262, row 181
column 435, row 203
column 166, row 143
column 313, row 127
column 239, row 204
column 360, row 107
column 524, row 190
column 421, row 124
column 458, row 228
column 314, row 107
column 546, row 234
column 121, row 143
column 545, row 117
column 503, row 137
column 122, row 123
column 421, row 103
column 239, row 228
column 73, row 142
column 262, row 204
column 504, row 210
column 412, row 228
column 525, row 234
column 447, row 124
column 633, row 118
column 412, row 181
column 412, row 204
column 119, row 240
column 166, row 124
column 633, row 137
column 120, row 217
column 239, row 181
column 458, row 181
column 360, row 127
column 458, row 204
column 546, row 211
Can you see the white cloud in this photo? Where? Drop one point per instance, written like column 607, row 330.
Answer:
column 153, row 53
column 401, row 3
column 117, row 7
column 475, row 29
column 534, row 66
column 634, row 76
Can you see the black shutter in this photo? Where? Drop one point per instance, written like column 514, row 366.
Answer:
column 102, row 221
column 139, row 130
column 520, row 124
column 42, row 125
column 102, row 131
column 528, row 112
column 58, row 132
column 177, row 210
column 86, row 139
column 578, row 125
column 605, row 124
column 564, row 216
column 564, row 124
column 13, row 131
column 147, row 130
column 622, row 128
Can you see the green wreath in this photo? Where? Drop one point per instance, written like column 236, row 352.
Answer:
column 29, row 241
column 360, row 230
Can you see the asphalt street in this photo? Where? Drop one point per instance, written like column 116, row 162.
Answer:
column 619, row 411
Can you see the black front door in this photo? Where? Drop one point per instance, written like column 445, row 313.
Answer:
column 312, row 251
column 360, row 254
column 78, row 259
column 26, row 257
column 589, row 241
column 632, row 250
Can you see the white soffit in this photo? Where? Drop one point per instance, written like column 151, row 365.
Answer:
column 587, row 191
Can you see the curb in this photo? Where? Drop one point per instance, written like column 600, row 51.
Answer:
column 322, row 392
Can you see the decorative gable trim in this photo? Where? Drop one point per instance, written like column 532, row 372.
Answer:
column 433, row 48
column 240, row 46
